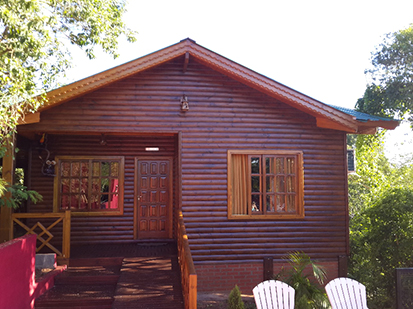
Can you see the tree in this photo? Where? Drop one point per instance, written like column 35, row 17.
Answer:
column 33, row 53
column 381, row 239
column 391, row 90
column 381, row 219
column 235, row 299
column 34, row 35
column 373, row 172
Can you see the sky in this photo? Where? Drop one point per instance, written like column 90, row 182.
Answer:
column 320, row 48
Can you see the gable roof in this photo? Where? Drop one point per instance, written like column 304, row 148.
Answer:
column 327, row 116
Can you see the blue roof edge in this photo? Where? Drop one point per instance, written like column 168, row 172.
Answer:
column 363, row 117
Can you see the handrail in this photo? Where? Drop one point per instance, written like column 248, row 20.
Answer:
column 45, row 232
column 188, row 274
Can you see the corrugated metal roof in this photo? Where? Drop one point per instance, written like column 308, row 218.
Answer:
column 361, row 116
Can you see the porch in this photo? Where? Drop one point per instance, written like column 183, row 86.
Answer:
column 129, row 275
column 134, row 274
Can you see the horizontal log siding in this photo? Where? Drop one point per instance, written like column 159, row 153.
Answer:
column 99, row 228
column 223, row 114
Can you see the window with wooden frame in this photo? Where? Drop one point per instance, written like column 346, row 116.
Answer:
column 265, row 184
column 89, row 185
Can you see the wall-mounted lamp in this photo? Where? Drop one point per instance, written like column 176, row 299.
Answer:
column 103, row 139
column 184, row 103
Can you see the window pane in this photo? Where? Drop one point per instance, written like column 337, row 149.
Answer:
column 75, row 169
column 65, row 169
column 83, row 202
column 290, row 184
column 269, row 166
column 280, row 185
column 279, row 166
column 65, row 202
column 74, row 185
column 85, row 169
column 96, row 169
column 270, row 203
column 94, row 202
column 74, row 201
column 65, row 186
column 256, row 203
column 290, row 203
column 104, row 201
column 104, row 185
column 114, row 169
column 280, row 203
column 105, row 166
column 255, row 184
column 113, row 202
column 290, row 166
column 95, row 185
column 85, row 185
column 269, row 182
column 255, row 165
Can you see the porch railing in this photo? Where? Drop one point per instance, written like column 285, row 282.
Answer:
column 188, row 274
column 43, row 234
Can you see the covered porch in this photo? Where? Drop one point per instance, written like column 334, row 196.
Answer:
column 75, row 235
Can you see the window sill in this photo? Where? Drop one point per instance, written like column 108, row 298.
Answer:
column 94, row 213
column 266, row 217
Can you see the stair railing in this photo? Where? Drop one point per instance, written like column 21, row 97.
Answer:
column 188, row 274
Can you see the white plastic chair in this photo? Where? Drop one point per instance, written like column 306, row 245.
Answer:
column 272, row 294
column 345, row 293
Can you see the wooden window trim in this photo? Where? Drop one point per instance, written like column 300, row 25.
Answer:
column 300, row 186
column 56, row 195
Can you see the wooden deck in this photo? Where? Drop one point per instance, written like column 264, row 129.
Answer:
column 118, row 276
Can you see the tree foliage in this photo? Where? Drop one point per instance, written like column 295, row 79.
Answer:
column 234, row 299
column 382, row 240
column 381, row 214
column 34, row 35
column 391, row 90
column 372, row 171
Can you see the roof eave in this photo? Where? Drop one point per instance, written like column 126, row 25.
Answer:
column 327, row 116
column 94, row 82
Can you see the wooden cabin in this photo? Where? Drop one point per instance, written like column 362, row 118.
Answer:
column 258, row 169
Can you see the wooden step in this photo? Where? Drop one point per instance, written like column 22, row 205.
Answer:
column 89, row 303
column 91, row 271
column 76, row 296
column 98, row 261
column 88, row 283
column 87, row 280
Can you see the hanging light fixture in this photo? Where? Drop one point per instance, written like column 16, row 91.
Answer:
column 184, row 103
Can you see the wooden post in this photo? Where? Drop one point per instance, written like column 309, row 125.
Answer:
column 342, row 265
column 192, row 297
column 268, row 268
column 66, row 235
column 8, row 175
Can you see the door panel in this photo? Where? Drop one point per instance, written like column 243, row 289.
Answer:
column 153, row 201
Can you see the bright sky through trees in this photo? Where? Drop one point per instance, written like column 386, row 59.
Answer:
column 320, row 48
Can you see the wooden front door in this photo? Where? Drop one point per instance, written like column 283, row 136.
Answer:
column 153, row 200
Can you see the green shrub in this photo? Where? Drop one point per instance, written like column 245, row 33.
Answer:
column 381, row 240
column 308, row 294
column 235, row 299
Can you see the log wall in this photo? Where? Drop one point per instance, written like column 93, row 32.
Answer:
column 223, row 114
